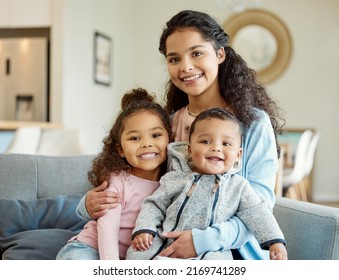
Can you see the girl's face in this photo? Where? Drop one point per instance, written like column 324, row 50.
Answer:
column 215, row 146
column 193, row 63
column 144, row 143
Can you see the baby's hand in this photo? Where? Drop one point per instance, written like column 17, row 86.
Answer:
column 142, row 241
column 278, row 252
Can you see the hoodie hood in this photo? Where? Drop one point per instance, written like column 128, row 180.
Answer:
column 179, row 159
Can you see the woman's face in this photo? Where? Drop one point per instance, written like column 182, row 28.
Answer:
column 192, row 62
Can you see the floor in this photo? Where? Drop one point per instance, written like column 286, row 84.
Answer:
column 332, row 204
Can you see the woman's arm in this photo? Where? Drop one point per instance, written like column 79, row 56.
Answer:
column 96, row 202
column 81, row 209
column 260, row 159
column 190, row 243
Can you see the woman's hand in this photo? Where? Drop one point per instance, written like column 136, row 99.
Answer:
column 98, row 202
column 182, row 247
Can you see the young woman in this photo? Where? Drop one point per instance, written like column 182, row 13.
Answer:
column 132, row 160
column 205, row 72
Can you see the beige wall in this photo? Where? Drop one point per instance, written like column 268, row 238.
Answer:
column 308, row 91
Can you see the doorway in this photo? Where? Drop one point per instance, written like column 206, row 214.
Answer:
column 25, row 74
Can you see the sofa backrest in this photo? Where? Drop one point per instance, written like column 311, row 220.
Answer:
column 27, row 177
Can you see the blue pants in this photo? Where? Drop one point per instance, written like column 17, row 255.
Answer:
column 76, row 250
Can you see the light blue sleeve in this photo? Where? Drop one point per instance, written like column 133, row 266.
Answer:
column 81, row 210
column 260, row 159
column 259, row 167
column 224, row 236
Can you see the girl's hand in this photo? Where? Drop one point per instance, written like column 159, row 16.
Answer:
column 182, row 247
column 278, row 252
column 142, row 241
column 98, row 202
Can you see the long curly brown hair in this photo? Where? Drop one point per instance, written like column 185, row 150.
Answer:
column 238, row 83
column 109, row 161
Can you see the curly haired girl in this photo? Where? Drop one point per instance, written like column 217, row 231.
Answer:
column 132, row 160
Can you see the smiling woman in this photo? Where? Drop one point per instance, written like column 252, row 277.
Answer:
column 263, row 40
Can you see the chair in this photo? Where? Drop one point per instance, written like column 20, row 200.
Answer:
column 52, row 142
column 25, row 141
column 60, row 142
column 310, row 156
column 292, row 179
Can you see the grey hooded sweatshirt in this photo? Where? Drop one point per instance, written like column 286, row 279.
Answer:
column 187, row 199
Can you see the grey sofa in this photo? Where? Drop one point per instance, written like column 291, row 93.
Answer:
column 39, row 194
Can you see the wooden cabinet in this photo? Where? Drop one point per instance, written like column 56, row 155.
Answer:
column 24, row 13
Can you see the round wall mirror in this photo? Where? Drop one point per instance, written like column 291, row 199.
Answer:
column 263, row 40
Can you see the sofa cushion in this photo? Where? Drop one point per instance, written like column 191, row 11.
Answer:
column 21, row 215
column 41, row 244
column 38, row 224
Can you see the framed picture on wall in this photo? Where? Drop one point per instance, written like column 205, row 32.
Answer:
column 102, row 59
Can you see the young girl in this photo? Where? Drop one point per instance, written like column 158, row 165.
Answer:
column 132, row 160
column 205, row 72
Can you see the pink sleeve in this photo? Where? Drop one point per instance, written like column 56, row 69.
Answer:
column 108, row 234
column 108, row 226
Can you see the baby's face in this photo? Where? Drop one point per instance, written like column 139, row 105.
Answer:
column 215, row 146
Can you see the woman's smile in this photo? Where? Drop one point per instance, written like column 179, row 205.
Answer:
column 191, row 78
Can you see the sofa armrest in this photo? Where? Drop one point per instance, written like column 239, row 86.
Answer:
column 311, row 231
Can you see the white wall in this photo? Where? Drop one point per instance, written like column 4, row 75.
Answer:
column 308, row 91
column 77, row 101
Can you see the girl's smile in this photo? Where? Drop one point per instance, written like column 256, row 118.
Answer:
column 147, row 156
